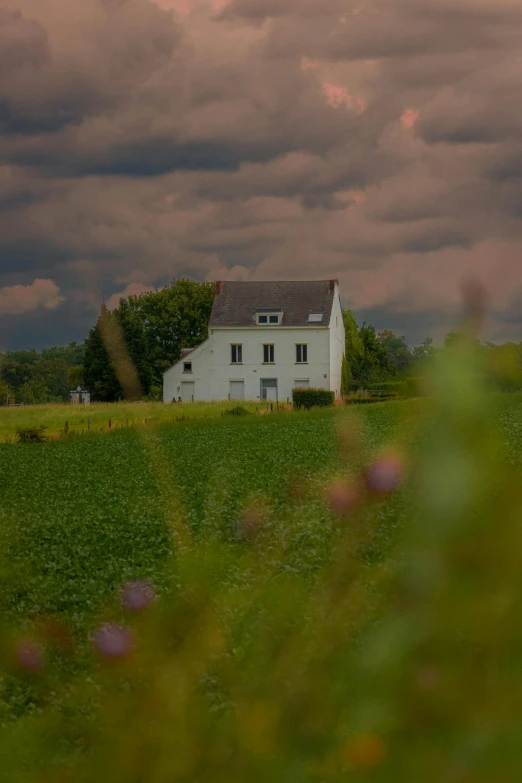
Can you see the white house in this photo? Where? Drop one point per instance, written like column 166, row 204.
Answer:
column 265, row 338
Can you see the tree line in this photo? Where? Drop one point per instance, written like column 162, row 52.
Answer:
column 147, row 333
column 34, row 377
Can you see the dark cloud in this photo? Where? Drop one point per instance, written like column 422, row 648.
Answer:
column 23, row 42
column 371, row 140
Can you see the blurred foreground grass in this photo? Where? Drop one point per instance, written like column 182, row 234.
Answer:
column 343, row 607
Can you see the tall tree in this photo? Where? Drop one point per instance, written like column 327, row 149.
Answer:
column 375, row 366
column 399, row 355
column 354, row 350
column 153, row 328
column 424, row 350
column 175, row 317
column 99, row 373
column 133, row 331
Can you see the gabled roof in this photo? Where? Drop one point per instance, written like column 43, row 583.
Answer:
column 236, row 303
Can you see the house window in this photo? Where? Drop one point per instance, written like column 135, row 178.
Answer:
column 301, row 353
column 268, row 353
column 269, row 319
column 315, row 318
column 236, row 354
column 187, row 366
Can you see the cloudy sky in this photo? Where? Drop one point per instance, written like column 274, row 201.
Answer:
column 376, row 141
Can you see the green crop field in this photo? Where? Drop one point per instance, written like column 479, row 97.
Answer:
column 325, row 610
column 81, row 516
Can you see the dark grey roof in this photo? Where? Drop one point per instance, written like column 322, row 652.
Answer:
column 236, row 303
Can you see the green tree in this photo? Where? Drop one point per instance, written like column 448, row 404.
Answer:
column 399, row 355
column 452, row 338
column 133, row 329
column 33, row 392
column 29, row 370
column 354, row 351
column 99, row 374
column 346, row 376
column 155, row 327
column 73, row 354
column 375, row 366
column 16, row 367
column 52, row 374
column 424, row 350
column 75, row 376
column 173, row 318
column 503, row 365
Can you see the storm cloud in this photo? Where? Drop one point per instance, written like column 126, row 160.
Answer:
column 377, row 141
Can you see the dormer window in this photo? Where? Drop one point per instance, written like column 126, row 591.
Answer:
column 266, row 318
column 315, row 318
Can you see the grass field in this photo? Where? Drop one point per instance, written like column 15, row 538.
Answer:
column 96, row 416
column 290, row 642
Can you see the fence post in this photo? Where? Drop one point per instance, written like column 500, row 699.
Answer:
column 271, row 407
column 66, row 427
column 110, row 424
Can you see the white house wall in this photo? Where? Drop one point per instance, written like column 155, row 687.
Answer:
column 200, row 358
column 337, row 344
column 212, row 369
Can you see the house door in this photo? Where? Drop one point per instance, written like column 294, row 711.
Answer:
column 269, row 389
column 237, row 390
column 187, row 391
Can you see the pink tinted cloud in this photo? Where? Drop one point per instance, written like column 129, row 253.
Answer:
column 309, row 65
column 23, row 299
column 338, row 96
column 409, row 283
column 133, row 289
column 237, row 272
column 186, row 7
column 351, row 196
column 409, row 118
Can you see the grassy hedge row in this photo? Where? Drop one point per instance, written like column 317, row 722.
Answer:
column 312, row 398
column 408, row 387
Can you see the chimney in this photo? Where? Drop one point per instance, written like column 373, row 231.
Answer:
column 332, row 285
column 218, row 286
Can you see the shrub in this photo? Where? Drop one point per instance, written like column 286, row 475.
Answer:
column 31, row 434
column 237, row 411
column 362, row 396
column 155, row 394
column 312, row 398
column 408, row 387
column 396, row 387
